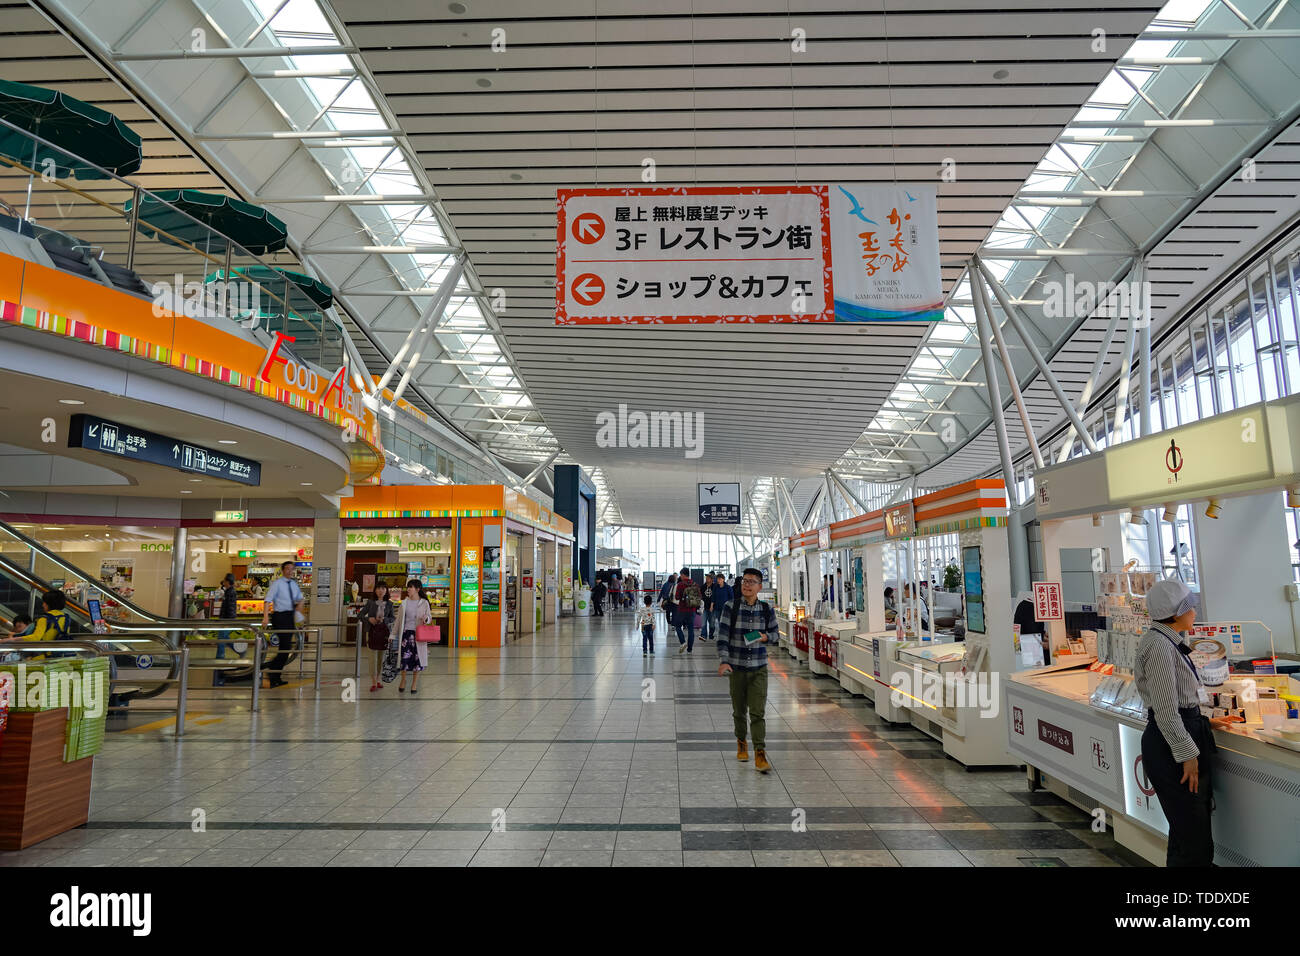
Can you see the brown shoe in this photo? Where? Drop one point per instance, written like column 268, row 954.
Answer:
column 742, row 750
column 760, row 762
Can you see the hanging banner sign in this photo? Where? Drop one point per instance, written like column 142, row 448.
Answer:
column 847, row 253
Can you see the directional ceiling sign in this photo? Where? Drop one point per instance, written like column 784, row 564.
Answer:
column 857, row 252
column 126, row 441
column 719, row 502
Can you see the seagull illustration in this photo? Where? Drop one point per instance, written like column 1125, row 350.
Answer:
column 910, row 197
column 857, row 207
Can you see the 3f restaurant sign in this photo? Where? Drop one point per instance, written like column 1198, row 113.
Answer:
column 818, row 253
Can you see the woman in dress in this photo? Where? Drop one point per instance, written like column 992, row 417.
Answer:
column 379, row 609
column 413, row 612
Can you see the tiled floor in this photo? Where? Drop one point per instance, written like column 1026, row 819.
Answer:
column 567, row 749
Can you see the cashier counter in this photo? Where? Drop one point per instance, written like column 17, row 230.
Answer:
column 1080, row 734
column 869, row 664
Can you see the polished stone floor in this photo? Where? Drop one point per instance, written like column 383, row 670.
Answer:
column 567, row 748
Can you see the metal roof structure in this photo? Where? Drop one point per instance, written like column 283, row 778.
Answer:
column 393, row 138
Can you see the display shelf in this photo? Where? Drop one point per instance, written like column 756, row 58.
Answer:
column 40, row 795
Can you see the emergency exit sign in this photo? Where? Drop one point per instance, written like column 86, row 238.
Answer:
column 230, row 517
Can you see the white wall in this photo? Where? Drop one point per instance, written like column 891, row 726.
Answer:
column 1244, row 563
column 1080, row 533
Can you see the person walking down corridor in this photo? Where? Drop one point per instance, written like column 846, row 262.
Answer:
column 666, row 603
column 722, row 593
column 746, row 627
column 686, row 597
column 283, row 601
column 598, row 592
column 645, row 619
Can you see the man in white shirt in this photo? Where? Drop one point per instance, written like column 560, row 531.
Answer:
column 283, row 601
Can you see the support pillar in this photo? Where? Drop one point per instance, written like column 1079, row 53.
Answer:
column 1142, row 308
column 180, row 557
column 328, row 564
column 1015, row 529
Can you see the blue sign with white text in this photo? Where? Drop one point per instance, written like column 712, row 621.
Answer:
column 126, row 441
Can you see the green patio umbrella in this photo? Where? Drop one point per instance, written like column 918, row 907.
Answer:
column 93, row 137
column 206, row 220
column 302, row 293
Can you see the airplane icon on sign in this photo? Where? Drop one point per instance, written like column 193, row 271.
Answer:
column 711, row 489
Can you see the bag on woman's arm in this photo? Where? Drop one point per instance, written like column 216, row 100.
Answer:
column 391, row 662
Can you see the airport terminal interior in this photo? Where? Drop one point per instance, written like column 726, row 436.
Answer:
column 602, row 433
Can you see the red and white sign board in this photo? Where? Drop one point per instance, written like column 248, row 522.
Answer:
column 678, row 254
column 693, row 254
column 1048, row 605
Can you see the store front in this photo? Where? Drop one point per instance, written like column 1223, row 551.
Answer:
column 1237, row 473
column 476, row 548
column 135, row 562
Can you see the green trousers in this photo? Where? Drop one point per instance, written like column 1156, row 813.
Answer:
column 749, row 692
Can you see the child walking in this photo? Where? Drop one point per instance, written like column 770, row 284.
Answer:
column 645, row 616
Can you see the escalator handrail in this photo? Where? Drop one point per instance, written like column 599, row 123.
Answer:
column 77, row 572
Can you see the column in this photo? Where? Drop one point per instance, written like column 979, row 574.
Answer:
column 329, row 547
column 180, row 563
column 528, row 572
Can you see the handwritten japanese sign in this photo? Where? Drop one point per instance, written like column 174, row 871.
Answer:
column 1048, row 605
column 747, row 254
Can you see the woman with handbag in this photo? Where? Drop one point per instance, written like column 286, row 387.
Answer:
column 413, row 612
column 378, row 615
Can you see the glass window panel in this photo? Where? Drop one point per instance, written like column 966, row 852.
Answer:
column 1269, row 360
column 1287, row 323
column 1202, row 368
column 1186, row 393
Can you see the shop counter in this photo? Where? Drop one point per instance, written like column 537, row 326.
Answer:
column 800, row 639
column 1093, row 758
column 908, row 684
column 823, row 658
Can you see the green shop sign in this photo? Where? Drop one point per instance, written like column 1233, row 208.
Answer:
column 374, row 539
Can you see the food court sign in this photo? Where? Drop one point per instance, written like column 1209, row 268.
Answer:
column 337, row 393
column 841, row 253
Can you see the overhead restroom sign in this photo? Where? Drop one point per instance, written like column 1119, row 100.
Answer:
column 124, row 441
column 852, row 253
column 719, row 503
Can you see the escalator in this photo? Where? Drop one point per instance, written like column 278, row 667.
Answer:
column 28, row 569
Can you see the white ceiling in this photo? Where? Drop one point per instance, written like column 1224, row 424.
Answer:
column 707, row 92
column 585, row 90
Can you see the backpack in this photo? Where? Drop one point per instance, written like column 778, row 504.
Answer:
column 60, row 624
column 735, row 613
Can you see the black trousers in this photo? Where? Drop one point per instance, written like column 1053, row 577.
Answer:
column 1190, row 840
column 281, row 622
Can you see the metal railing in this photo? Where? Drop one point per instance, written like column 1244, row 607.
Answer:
column 108, row 243
column 179, row 651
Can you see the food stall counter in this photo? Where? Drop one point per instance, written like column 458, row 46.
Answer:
column 1091, row 756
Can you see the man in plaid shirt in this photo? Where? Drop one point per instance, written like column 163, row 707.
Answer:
column 745, row 628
